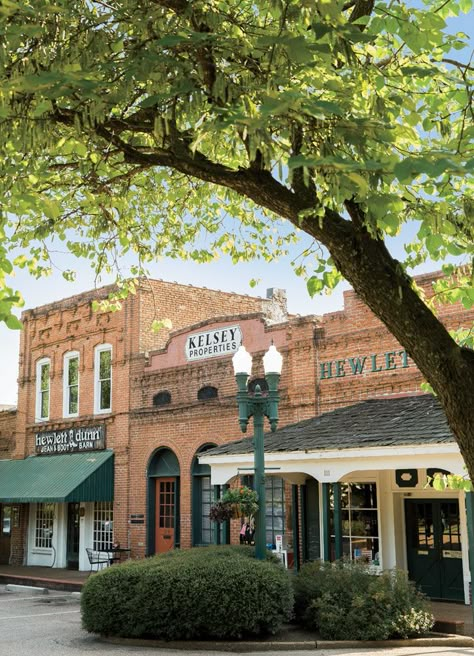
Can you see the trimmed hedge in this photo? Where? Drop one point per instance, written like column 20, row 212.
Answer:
column 206, row 592
column 345, row 601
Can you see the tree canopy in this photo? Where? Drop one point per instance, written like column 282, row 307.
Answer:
column 189, row 129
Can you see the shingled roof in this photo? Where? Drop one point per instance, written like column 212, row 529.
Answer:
column 375, row 423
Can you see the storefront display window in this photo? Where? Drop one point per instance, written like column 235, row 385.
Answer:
column 103, row 526
column 359, row 519
column 205, row 506
column 274, row 505
column 6, row 520
column 275, row 508
column 204, row 495
column 44, row 525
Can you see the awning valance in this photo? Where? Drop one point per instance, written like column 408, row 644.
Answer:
column 58, row 479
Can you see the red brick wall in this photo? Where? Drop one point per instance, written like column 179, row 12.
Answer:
column 7, row 432
column 185, row 305
column 355, row 332
column 19, row 534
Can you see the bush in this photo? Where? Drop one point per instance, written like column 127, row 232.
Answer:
column 207, row 592
column 345, row 601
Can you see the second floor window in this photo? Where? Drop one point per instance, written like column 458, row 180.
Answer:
column 103, row 378
column 71, row 385
column 42, row 389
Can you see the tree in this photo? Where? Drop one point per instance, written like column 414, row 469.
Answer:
column 140, row 126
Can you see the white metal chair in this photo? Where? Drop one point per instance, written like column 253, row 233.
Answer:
column 98, row 558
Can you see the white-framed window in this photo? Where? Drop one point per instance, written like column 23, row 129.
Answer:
column 103, row 526
column 103, row 378
column 43, row 368
column 360, row 525
column 71, row 384
column 44, row 525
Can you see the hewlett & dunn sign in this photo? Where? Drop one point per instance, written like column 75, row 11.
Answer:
column 71, row 440
column 221, row 341
column 364, row 364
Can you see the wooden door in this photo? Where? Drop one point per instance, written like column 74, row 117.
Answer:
column 434, row 547
column 165, row 514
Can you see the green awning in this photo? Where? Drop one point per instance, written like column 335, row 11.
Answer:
column 58, row 479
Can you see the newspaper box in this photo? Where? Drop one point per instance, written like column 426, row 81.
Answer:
column 281, row 543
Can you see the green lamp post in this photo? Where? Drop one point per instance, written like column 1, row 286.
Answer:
column 258, row 405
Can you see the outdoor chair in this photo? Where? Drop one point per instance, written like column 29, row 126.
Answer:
column 98, row 558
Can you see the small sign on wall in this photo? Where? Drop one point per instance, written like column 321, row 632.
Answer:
column 71, row 440
column 210, row 344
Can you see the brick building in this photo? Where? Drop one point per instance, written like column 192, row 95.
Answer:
column 75, row 438
column 114, row 422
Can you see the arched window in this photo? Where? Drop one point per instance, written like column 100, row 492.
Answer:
column 161, row 398
column 204, row 532
column 206, row 393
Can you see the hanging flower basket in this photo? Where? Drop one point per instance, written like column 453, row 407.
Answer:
column 220, row 512
column 235, row 503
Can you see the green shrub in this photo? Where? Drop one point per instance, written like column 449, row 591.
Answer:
column 207, row 592
column 345, row 601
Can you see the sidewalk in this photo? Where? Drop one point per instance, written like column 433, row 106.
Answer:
column 43, row 577
column 452, row 613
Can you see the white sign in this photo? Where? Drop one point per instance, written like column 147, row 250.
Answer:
column 70, row 440
column 212, row 343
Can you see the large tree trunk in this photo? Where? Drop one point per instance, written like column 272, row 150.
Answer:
column 381, row 283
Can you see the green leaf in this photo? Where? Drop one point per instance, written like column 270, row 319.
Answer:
column 160, row 324
column 13, row 323
column 314, row 285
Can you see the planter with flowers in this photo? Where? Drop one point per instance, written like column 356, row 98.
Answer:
column 235, row 502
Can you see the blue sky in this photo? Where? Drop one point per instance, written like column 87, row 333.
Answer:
column 217, row 275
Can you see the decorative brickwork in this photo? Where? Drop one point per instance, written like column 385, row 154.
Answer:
column 330, row 361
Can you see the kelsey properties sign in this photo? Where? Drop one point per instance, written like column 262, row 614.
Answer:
column 211, row 343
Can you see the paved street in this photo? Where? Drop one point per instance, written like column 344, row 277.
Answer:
column 50, row 625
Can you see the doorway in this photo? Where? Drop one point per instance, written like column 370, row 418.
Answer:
column 166, row 513
column 163, row 531
column 434, row 547
column 72, row 544
column 5, row 533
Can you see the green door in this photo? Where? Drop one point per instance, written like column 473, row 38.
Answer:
column 434, row 547
column 73, row 529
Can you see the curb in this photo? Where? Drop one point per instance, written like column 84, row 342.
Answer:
column 443, row 640
column 30, row 589
column 31, row 582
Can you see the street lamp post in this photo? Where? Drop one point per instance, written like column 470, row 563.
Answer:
column 258, row 406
